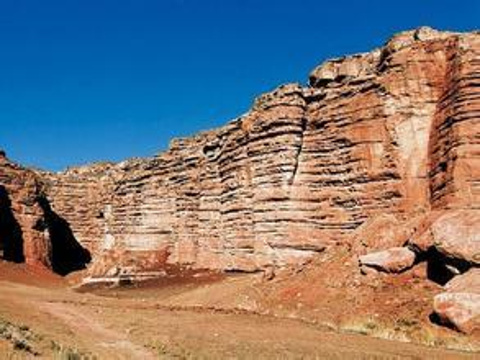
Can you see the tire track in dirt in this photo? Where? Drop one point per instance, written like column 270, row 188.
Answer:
column 93, row 329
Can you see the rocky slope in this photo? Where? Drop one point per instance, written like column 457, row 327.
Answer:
column 380, row 152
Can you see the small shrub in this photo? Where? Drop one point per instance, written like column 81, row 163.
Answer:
column 66, row 353
column 364, row 327
column 21, row 344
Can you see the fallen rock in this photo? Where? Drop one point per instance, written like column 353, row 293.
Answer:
column 393, row 260
column 383, row 232
column 459, row 306
column 455, row 234
column 468, row 282
column 459, row 310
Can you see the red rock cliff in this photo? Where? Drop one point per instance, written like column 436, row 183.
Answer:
column 395, row 131
column 22, row 234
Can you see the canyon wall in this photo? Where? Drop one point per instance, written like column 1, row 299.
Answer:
column 30, row 231
column 22, row 231
column 394, row 131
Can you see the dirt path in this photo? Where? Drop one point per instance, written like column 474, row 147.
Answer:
column 142, row 327
column 88, row 326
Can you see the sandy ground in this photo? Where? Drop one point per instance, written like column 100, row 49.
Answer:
column 172, row 321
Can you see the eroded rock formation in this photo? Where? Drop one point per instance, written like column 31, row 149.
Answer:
column 22, row 235
column 379, row 153
column 30, row 231
column 392, row 132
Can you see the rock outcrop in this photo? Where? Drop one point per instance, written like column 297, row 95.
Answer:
column 392, row 132
column 22, row 227
column 367, row 154
column 379, row 154
column 30, row 231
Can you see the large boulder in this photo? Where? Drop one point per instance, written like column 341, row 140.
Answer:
column 459, row 305
column 455, row 234
column 393, row 260
column 383, row 232
column 467, row 282
column 459, row 310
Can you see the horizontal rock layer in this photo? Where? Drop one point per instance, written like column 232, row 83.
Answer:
column 30, row 231
column 22, row 235
column 395, row 131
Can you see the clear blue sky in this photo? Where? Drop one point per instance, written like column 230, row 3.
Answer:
column 88, row 80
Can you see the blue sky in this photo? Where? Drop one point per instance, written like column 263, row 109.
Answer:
column 91, row 80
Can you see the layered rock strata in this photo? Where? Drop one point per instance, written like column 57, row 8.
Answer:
column 30, row 231
column 22, row 231
column 392, row 132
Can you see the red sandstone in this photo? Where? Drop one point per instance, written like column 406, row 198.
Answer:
column 380, row 150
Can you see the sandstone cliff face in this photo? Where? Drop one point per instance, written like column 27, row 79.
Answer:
column 394, row 131
column 30, row 231
column 22, row 235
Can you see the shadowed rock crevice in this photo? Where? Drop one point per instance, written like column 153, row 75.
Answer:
column 68, row 254
column 440, row 268
column 435, row 319
column 11, row 240
column 299, row 152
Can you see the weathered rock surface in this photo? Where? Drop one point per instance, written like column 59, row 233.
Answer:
column 394, row 131
column 113, row 263
column 30, row 231
column 393, row 260
column 383, row 232
column 459, row 310
column 22, row 235
column 374, row 143
column 467, row 282
column 379, row 150
column 455, row 234
column 459, row 306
